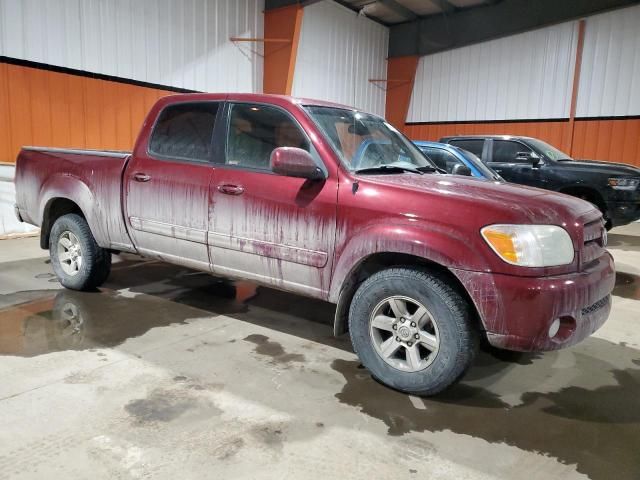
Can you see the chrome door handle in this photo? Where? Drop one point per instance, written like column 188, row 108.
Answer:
column 230, row 189
column 141, row 177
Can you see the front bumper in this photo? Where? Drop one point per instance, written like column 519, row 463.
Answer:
column 517, row 312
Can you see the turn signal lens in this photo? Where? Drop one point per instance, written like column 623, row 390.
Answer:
column 530, row 245
column 502, row 243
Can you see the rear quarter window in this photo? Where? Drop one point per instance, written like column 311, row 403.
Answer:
column 473, row 145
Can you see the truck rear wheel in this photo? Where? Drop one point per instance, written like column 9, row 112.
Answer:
column 77, row 260
column 412, row 331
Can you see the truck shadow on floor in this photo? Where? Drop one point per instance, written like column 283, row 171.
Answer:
column 578, row 405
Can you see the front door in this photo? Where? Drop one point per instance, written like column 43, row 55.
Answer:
column 509, row 159
column 274, row 229
column 167, row 187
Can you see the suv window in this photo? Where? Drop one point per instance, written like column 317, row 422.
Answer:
column 256, row 130
column 472, row 145
column 442, row 158
column 184, row 131
column 505, row 151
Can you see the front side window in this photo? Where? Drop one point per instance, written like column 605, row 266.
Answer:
column 255, row 131
column 184, row 131
column 364, row 141
column 506, row 151
column 443, row 159
column 549, row 151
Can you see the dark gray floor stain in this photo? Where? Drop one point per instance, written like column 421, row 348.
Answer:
column 272, row 349
column 228, row 449
column 167, row 405
column 598, row 429
column 44, row 275
column 624, row 242
column 270, row 435
column 627, row 285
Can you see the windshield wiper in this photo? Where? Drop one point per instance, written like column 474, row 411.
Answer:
column 391, row 169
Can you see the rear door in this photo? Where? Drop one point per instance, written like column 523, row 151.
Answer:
column 167, row 187
column 274, row 229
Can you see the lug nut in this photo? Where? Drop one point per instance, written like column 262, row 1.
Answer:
column 395, row 327
column 417, row 335
column 409, row 344
column 402, row 320
column 397, row 339
column 413, row 324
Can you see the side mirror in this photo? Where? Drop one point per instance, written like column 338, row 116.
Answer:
column 295, row 162
column 461, row 169
column 527, row 157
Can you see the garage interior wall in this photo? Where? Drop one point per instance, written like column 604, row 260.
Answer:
column 138, row 50
column 522, row 85
column 339, row 52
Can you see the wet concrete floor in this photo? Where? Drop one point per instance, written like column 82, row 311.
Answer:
column 166, row 372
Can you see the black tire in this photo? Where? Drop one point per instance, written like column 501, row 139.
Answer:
column 96, row 261
column 458, row 337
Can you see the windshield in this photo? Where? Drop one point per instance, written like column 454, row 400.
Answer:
column 477, row 163
column 364, row 141
column 549, row 151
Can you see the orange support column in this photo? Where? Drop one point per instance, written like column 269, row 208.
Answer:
column 280, row 57
column 401, row 74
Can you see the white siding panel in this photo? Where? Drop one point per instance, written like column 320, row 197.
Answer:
column 181, row 44
column 528, row 75
column 338, row 53
column 610, row 73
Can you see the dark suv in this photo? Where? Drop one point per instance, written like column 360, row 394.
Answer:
column 612, row 187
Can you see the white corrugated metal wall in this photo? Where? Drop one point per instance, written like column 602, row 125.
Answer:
column 528, row 75
column 610, row 74
column 181, row 44
column 338, row 53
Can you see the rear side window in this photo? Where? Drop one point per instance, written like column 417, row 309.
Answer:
column 472, row 145
column 184, row 131
column 442, row 158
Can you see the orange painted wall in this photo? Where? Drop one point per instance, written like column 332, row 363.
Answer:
column 280, row 58
column 401, row 74
column 39, row 107
column 612, row 140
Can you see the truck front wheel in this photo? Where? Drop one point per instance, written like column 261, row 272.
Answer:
column 412, row 331
column 77, row 260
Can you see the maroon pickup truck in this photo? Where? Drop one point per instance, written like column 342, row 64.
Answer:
column 422, row 265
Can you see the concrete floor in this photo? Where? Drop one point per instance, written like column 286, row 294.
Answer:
column 169, row 373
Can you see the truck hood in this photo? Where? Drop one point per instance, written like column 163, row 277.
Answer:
column 494, row 201
column 594, row 166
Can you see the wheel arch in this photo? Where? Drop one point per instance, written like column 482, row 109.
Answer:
column 376, row 262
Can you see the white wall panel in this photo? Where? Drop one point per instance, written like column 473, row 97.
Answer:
column 610, row 73
column 338, row 53
column 528, row 75
column 169, row 42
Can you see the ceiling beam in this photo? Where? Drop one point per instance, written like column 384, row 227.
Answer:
column 444, row 5
column 437, row 33
column 399, row 9
column 273, row 4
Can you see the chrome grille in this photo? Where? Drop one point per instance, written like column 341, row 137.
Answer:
column 594, row 242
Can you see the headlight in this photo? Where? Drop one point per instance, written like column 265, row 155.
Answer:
column 530, row 245
column 624, row 183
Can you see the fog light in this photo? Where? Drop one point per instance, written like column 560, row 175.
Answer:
column 553, row 329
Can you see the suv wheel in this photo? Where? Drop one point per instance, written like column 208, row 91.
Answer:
column 412, row 331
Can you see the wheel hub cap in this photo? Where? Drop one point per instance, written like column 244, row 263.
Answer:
column 69, row 253
column 404, row 333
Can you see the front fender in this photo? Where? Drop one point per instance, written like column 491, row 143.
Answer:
column 447, row 247
column 73, row 188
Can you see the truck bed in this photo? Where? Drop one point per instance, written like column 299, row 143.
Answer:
column 92, row 179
